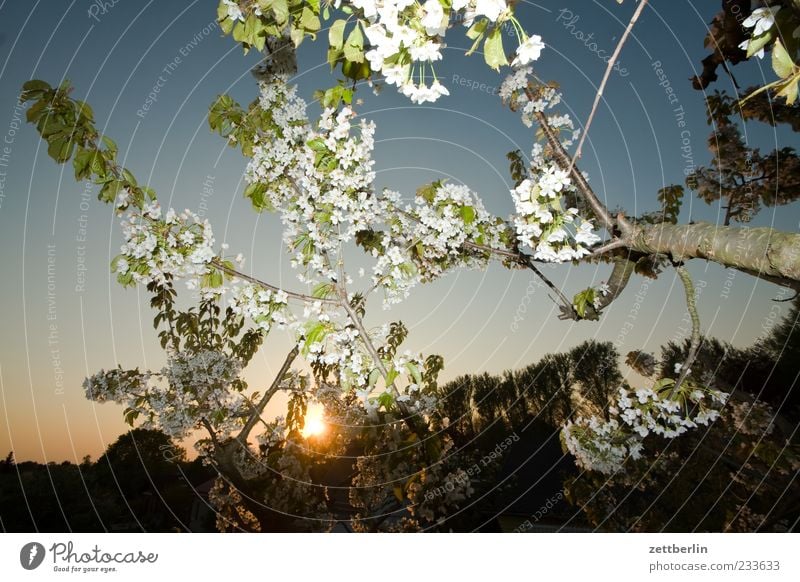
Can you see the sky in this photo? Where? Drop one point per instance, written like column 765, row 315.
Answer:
column 64, row 317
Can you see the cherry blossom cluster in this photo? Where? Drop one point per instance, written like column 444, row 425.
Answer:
column 155, row 246
column 429, row 237
column 760, row 20
column 192, row 388
column 406, row 37
column 556, row 233
column 605, row 444
column 262, row 306
column 319, row 180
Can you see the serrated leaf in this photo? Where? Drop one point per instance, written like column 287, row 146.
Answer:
column 782, row 63
column 493, row 52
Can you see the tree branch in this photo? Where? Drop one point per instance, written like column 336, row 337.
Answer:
column 259, row 408
column 694, row 345
column 762, row 252
column 234, row 273
column 606, row 75
column 565, row 162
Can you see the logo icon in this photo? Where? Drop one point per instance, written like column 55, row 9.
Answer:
column 31, row 555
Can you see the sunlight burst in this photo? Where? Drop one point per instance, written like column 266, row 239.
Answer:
column 314, row 421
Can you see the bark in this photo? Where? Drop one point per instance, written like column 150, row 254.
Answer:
column 762, row 252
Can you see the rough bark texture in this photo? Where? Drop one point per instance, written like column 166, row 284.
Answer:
column 763, row 252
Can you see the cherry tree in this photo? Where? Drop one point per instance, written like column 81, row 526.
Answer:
column 317, row 175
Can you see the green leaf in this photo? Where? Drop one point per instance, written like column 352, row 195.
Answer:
column 468, row 214
column 85, row 110
column 414, row 371
column 789, row 89
column 356, row 70
column 759, row 42
column 336, row 34
column 111, row 146
column 582, row 300
column 373, row 377
column 322, row 290
column 354, row 47
column 226, row 25
column 36, row 85
column 115, row 263
column 256, row 192
column 297, row 34
column 493, row 52
column 477, row 29
column 108, row 193
column 782, row 63
column 60, row 150
column 82, row 163
column 428, row 191
column 309, row 20
column 280, row 9
column 130, row 415
column 386, row 400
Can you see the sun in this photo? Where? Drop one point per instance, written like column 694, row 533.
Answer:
column 314, row 421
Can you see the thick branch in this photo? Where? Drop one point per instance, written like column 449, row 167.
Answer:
column 763, row 252
column 564, row 161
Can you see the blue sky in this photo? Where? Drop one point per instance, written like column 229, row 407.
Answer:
column 54, row 336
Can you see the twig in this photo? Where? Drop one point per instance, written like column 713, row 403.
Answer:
column 567, row 309
column 609, row 68
column 609, row 246
column 254, row 281
column 694, row 345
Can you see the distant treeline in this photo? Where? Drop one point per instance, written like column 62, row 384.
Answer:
column 506, row 431
column 141, row 483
